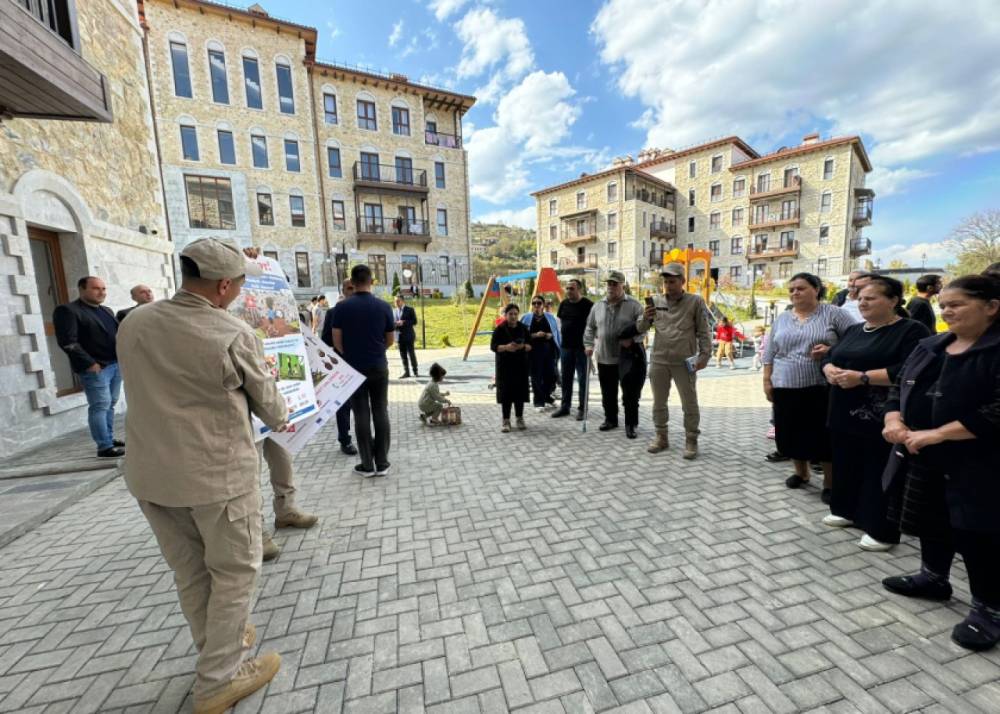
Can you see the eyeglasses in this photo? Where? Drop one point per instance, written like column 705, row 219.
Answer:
column 536, row 304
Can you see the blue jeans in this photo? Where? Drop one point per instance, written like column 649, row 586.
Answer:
column 102, row 390
column 573, row 360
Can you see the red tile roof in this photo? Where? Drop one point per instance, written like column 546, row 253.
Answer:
column 807, row 148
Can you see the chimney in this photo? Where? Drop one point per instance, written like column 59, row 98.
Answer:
column 256, row 9
column 810, row 138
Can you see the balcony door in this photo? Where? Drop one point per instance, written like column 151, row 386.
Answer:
column 373, row 218
column 790, row 175
column 408, row 219
column 789, row 209
column 763, row 183
column 404, row 170
column 369, row 166
column 52, row 291
column 760, row 213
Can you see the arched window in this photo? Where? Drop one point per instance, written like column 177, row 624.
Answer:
column 367, row 114
column 251, row 79
column 217, row 72
column 286, row 94
column 179, row 65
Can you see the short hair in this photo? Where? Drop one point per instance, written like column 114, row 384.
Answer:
column 189, row 268
column 891, row 288
column 979, row 287
column 926, row 282
column 859, row 274
column 82, row 282
column 510, row 306
column 577, row 281
column 814, row 281
column 361, row 275
column 399, row 296
column 437, row 372
column 993, row 270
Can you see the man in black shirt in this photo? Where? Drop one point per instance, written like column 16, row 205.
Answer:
column 141, row 294
column 87, row 332
column 572, row 314
column 919, row 307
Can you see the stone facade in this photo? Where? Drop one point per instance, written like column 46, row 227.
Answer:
column 763, row 229
column 93, row 192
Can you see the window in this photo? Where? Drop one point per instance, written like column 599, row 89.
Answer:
column 581, row 226
column 251, row 81
column 553, row 232
column 692, row 169
column 760, row 243
column 787, row 239
column 715, row 193
column 690, row 196
column 737, row 218
column 292, row 155
column 690, row 224
column 821, row 267
column 736, row 272
column 760, row 214
column 553, row 207
column 643, row 219
column 373, row 218
column 329, row 108
column 644, row 249
column 444, row 270
column 713, row 245
column 714, row 219
column 286, row 100
column 784, row 270
column 763, row 183
column 379, row 272
column 333, row 162
column 401, row 121
column 439, row 174
column 612, row 250
column 442, row 222
column 366, row 115
column 339, row 217
column 828, row 169
column 612, row 191
column 739, row 187
column 612, row 221
column 182, row 73
column 790, row 175
column 432, row 127
column 210, row 202
column 297, row 206
column 189, row 143
column 227, row 148
column 265, row 209
column 553, row 257
column 272, row 254
column 789, row 210
column 581, row 200
column 717, row 164
column 826, row 202
column 217, row 70
column 302, row 270
column 404, row 170
column 736, row 246
column 824, row 234
column 258, row 146
column 369, row 166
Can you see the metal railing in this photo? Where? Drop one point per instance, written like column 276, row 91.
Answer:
column 580, row 261
column 663, row 200
column 863, row 212
column 576, row 232
column 763, row 250
column 661, row 228
column 393, row 226
column 766, row 219
column 448, row 141
column 390, row 174
column 792, row 182
column 861, row 246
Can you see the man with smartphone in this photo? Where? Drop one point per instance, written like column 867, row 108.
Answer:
column 682, row 347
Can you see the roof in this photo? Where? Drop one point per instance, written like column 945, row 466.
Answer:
column 607, row 172
column 443, row 97
column 808, row 148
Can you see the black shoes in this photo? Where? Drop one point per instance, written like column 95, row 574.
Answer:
column 825, row 495
column 362, row 470
column 775, row 456
column 630, row 431
column 977, row 632
column 796, row 481
column 918, row 585
column 119, row 443
column 560, row 413
column 348, row 449
column 608, row 425
column 404, row 375
column 579, row 414
column 112, row 452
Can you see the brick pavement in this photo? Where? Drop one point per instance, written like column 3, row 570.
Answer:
column 545, row 571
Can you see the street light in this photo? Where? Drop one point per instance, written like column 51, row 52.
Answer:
column 407, row 273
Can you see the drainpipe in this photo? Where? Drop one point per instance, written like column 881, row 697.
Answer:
column 319, row 173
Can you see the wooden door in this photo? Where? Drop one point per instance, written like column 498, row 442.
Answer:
column 52, row 291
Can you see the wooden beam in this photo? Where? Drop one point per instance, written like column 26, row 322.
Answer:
column 479, row 317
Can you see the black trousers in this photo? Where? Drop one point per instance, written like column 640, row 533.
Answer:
column 408, row 354
column 344, row 424
column 518, row 409
column 632, row 384
column 543, row 378
column 607, row 374
column 979, row 551
column 370, row 404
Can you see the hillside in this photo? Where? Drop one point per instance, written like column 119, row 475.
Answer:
column 506, row 249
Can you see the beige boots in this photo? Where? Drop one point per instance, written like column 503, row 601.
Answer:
column 659, row 443
column 691, row 446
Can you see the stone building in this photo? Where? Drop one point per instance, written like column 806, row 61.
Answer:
column 80, row 194
column 799, row 208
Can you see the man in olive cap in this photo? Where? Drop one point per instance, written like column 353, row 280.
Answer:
column 682, row 346
column 193, row 375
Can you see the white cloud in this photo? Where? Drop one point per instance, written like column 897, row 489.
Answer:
column 443, row 9
column 886, row 182
column 494, row 43
column 397, row 33
column 915, row 255
column 334, row 30
column 520, row 217
column 761, row 69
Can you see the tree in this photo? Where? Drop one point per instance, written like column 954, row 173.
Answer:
column 976, row 242
column 897, row 264
column 468, row 289
column 395, row 283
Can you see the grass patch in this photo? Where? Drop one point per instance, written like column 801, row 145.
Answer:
column 445, row 319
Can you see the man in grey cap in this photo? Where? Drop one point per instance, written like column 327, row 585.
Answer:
column 193, row 375
column 682, row 346
column 606, row 320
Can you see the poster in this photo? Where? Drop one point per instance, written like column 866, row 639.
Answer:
column 334, row 381
column 267, row 304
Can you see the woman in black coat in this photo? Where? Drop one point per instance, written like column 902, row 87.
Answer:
column 511, row 343
column 860, row 368
column 943, row 416
column 631, row 375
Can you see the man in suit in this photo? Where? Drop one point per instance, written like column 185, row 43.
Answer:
column 87, row 332
column 141, row 294
column 406, row 317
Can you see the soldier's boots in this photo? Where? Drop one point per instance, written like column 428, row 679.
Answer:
column 690, row 447
column 271, row 549
column 294, row 518
column 251, row 676
column 659, row 443
column 249, row 635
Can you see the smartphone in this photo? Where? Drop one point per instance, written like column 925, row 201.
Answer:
column 649, row 301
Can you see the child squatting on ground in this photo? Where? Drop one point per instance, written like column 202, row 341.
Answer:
column 432, row 400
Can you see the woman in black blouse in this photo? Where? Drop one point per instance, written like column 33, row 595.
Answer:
column 860, row 368
column 943, row 415
column 511, row 343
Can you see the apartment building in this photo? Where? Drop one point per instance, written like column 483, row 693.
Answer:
column 799, row 208
column 320, row 164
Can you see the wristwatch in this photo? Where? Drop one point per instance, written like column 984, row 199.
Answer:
column 865, row 379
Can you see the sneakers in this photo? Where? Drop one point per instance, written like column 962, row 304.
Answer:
column 382, row 470
column 690, row 448
column 837, row 522
column 251, row 676
column 112, row 452
column 521, row 426
column 349, row 449
column 294, row 518
column 918, row 585
column 505, row 426
column 876, row 546
column 271, row 549
column 362, row 470
column 659, row 443
column 249, row 635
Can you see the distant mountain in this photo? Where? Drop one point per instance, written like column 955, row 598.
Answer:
column 503, row 246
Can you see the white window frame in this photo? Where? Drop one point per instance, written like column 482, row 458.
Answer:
column 614, row 185
column 711, row 164
column 711, row 189
column 742, row 193
column 553, row 232
column 553, row 207
column 715, row 220
column 613, row 221
column 692, row 169
column 833, row 168
column 612, row 250
column 581, row 200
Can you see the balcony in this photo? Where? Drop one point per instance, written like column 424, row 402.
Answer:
column 662, row 199
column 775, row 220
column 861, row 246
column 662, row 229
column 768, row 190
column 782, row 249
column 576, row 234
column 578, row 262
column 862, row 214
column 42, row 74
column 448, row 141
column 386, row 177
column 397, row 230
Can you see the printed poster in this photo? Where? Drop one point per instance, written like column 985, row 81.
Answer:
column 334, row 381
column 267, row 304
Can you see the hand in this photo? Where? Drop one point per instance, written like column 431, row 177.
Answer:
column 819, row 351
column 895, row 432
column 526, row 348
column 831, row 373
column 95, row 368
column 917, row 440
column 251, row 253
column 649, row 313
column 283, row 428
column 769, row 391
column 701, row 364
column 848, row 379
column 589, row 351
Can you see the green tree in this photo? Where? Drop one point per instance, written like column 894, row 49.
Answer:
column 469, row 293
column 395, row 283
column 976, row 242
column 897, row 264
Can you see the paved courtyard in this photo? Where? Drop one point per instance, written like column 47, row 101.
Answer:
column 543, row 571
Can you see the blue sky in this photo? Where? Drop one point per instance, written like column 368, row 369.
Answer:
column 565, row 86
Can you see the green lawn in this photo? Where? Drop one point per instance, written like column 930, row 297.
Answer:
column 446, row 319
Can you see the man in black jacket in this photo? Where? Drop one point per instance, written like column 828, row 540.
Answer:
column 405, row 318
column 920, row 307
column 141, row 294
column 87, row 332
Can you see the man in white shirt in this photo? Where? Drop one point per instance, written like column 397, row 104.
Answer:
column 851, row 304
